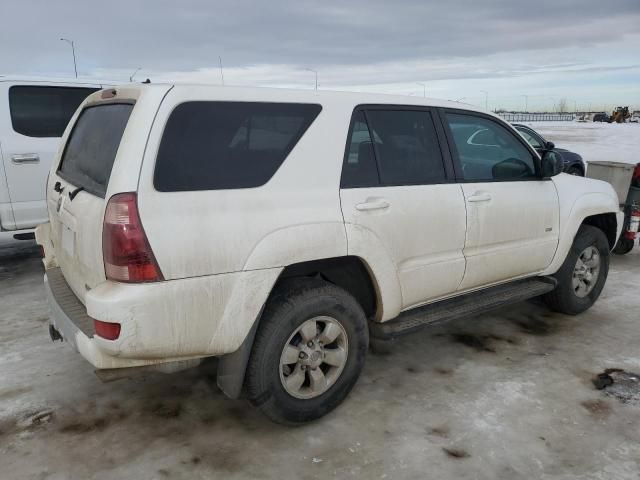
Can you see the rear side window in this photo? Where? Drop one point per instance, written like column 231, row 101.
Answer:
column 226, row 145
column 92, row 146
column 401, row 144
column 38, row 111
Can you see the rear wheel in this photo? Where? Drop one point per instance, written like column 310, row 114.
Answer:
column 583, row 273
column 308, row 352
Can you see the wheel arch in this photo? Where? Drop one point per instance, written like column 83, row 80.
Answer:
column 348, row 272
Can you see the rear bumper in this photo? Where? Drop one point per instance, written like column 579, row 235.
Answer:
column 69, row 317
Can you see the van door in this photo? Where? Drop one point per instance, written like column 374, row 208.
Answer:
column 38, row 115
column 396, row 187
column 512, row 212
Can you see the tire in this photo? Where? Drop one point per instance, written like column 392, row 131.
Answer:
column 624, row 246
column 293, row 306
column 565, row 298
column 577, row 171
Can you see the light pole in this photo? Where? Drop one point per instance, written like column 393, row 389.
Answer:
column 424, row 88
column 221, row 74
column 555, row 107
column 526, row 102
column 73, row 50
column 134, row 74
column 486, row 100
column 316, row 74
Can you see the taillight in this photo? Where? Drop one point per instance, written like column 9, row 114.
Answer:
column 107, row 330
column 125, row 248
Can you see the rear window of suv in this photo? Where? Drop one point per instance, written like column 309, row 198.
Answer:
column 39, row 111
column 92, row 146
column 227, row 145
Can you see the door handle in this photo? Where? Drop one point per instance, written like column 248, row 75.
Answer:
column 25, row 158
column 373, row 204
column 479, row 197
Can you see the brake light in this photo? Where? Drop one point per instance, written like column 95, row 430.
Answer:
column 125, row 248
column 107, row 330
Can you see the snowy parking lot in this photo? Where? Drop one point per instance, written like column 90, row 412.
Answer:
column 613, row 142
column 519, row 393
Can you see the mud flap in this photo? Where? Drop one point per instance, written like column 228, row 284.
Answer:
column 232, row 367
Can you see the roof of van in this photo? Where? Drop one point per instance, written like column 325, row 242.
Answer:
column 57, row 80
column 307, row 95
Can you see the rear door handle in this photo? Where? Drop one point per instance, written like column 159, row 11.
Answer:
column 372, row 204
column 25, row 158
column 479, row 197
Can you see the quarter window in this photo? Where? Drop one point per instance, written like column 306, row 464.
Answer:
column 39, row 111
column 225, row 145
column 488, row 151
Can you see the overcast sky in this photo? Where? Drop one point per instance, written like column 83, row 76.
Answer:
column 587, row 51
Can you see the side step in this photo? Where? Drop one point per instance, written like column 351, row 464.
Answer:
column 470, row 304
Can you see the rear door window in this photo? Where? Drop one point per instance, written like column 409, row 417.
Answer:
column 227, row 145
column 392, row 147
column 40, row 111
column 92, row 146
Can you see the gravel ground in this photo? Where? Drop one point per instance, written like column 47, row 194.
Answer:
column 503, row 396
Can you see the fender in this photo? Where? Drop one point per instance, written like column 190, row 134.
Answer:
column 298, row 243
column 572, row 216
column 365, row 244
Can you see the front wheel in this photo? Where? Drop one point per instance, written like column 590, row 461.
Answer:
column 308, row 352
column 583, row 273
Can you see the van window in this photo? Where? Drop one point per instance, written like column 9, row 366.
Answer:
column 38, row 111
column 92, row 146
column 224, row 145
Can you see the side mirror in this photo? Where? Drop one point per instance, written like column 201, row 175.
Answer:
column 549, row 146
column 551, row 164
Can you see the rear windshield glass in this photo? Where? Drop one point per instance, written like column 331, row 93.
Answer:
column 224, row 145
column 92, row 146
column 38, row 111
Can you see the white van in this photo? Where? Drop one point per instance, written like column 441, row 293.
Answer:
column 33, row 116
column 279, row 230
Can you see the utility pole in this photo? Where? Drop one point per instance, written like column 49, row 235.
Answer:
column 316, row 74
column 221, row 74
column 73, row 50
column 134, row 74
column 486, row 100
column 424, row 88
column 526, row 103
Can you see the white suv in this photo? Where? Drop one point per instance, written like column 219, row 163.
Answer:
column 279, row 230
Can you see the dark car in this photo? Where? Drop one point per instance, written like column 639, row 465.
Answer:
column 573, row 163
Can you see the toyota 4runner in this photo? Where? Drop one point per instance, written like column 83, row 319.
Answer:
column 281, row 230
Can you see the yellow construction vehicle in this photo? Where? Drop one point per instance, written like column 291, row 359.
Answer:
column 620, row 115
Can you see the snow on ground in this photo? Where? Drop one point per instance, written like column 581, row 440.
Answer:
column 619, row 142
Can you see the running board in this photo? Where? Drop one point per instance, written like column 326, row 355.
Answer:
column 467, row 305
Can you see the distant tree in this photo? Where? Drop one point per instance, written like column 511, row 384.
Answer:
column 562, row 105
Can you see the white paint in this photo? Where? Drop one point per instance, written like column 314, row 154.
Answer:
column 222, row 251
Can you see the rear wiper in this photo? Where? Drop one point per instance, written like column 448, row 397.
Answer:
column 73, row 194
